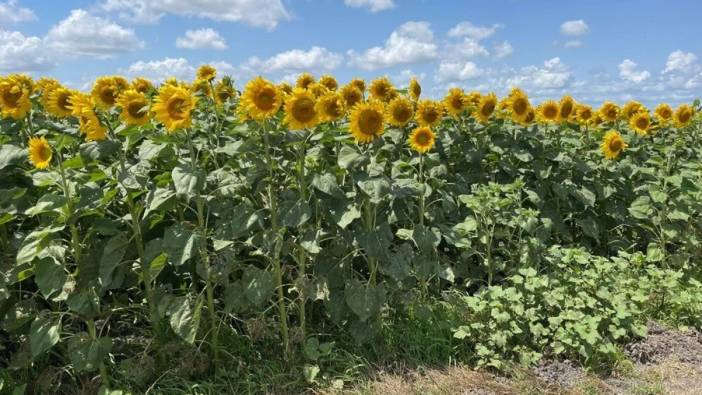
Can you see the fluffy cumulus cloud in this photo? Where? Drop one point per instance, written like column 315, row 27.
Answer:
column 467, row 29
column 574, row 28
column 503, row 50
column 159, row 70
column 260, row 13
column 11, row 12
column 554, row 74
column 628, row 70
column 456, row 71
column 295, row 60
column 679, row 61
column 201, row 39
column 20, row 53
column 372, row 5
column 83, row 34
column 411, row 43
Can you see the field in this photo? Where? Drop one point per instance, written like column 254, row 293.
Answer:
column 204, row 237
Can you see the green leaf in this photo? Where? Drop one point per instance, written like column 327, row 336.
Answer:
column 85, row 302
column 327, row 183
column 641, row 208
column 258, row 285
column 180, row 243
column 184, row 319
column 363, row 299
column 296, row 215
column 188, row 182
column 349, row 158
column 44, row 334
column 654, row 253
column 10, row 155
column 157, row 199
column 31, row 245
column 86, row 354
column 377, row 189
column 112, row 255
column 310, row 372
column 150, row 150
column 99, row 149
column 46, row 203
column 49, row 276
column 348, row 216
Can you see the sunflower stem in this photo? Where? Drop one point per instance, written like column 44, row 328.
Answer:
column 301, row 255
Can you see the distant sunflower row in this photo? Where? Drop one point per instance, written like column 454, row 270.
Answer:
column 310, row 102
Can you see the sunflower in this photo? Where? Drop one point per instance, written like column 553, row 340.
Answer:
column 329, row 81
column 415, row 90
column 261, row 99
column 359, row 84
column 58, row 102
column 39, row 152
column 473, row 99
column 88, row 122
column 304, row 80
column 201, row 87
column 206, row 73
column 135, row 108
column 640, row 122
column 15, row 91
column 300, row 110
column 142, row 85
column 351, row 95
column 121, row 83
column 422, row 139
column 519, row 105
column 663, row 113
column 367, row 120
column 331, row 106
column 529, row 117
column 631, row 108
column 455, row 102
column 382, row 89
column 399, row 111
column 105, row 92
column 486, row 107
column 45, row 84
column 285, row 88
column 584, row 114
column 173, row 107
column 318, row 90
column 612, row 144
column 429, row 112
column 548, row 111
column 609, row 111
column 683, row 115
column 566, row 108
column 224, row 90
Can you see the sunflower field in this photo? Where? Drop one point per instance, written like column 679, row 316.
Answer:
column 205, row 226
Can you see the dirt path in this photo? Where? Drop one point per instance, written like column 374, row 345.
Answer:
column 666, row 362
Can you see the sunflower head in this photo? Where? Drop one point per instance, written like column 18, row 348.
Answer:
column 39, row 152
column 106, row 90
column 609, row 112
column 529, row 117
column 206, row 73
column 304, row 80
column 173, row 107
column 400, row 111
column 584, row 114
column 663, row 113
column 135, row 107
column 640, row 122
column 422, row 139
column 566, row 108
column 359, row 83
column 285, row 88
column 429, row 112
column 261, row 99
column 301, row 110
column 683, row 115
column 329, row 82
column 367, row 121
column 486, row 107
column 142, row 85
column 612, row 144
column 382, row 89
column 455, row 102
column 631, row 108
column 331, row 106
column 58, row 102
column 473, row 99
column 518, row 105
column 351, row 94
column 224, row 90
column 318, row 90
column 415, row 90
column 46, row 84
column 548, row 111
column 15, row 91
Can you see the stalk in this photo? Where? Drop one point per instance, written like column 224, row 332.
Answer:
column 301, row 255
column 277, row 268
column 422, row 195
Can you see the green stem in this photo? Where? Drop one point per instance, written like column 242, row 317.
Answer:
column 369, row 219
column 423, row 192
column 277, row 268
column 301, row 255
column 103, row 369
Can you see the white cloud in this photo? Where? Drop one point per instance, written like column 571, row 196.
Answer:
column 11, row 12
column 680, row 61
column 316, row 58
column 201, row 39
column 553, row 75
column 467, row 29
column 260, row 13
column 412, row 42
column 403, row 78
column 82, row 34
column 373, row 5
column 20, row 53
column 574, row 28
column 503, row 50
column 628, row 71
column 456, row 71
column 469, row 48
column 159, row 70
column 573, row 44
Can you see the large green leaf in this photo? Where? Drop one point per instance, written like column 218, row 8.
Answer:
column 50, row 276
column 44, row 334
column 258, row 285
column 180, row 243
column 10, row 155
column 86, row 354
column 185, row 318
column 112, row 255
column 188, row 181
column 364, row 300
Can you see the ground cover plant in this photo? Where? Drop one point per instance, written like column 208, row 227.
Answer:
column 275, row 236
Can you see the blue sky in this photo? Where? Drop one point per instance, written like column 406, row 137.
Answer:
column 645, row 49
